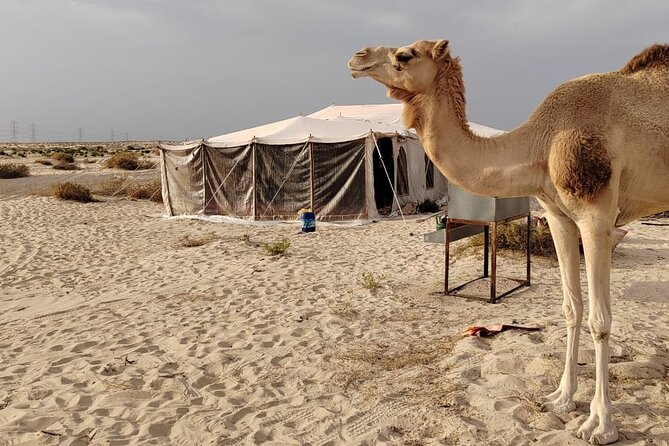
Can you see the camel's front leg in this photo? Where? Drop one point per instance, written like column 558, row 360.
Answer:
column 565, row 238
column 599, row 428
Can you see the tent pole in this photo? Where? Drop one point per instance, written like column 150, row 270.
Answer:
column 311, row 162
column 253, row 172
column 392, row 188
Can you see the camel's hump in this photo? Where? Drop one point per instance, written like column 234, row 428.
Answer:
column 655, row 56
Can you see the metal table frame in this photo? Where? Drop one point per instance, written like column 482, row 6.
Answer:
column 490, row 238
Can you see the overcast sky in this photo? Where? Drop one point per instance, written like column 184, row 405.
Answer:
column 182, row 69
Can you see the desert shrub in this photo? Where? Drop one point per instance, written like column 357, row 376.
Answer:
column 370, row 281
column 43, row 161
column 127, row 161
column 72, row 191
column 14, row 170
column 277, row 248
column 63, row 157
column 146, row 191
column 66, row 166
column 427, row 207
column 114, row 186
column 513, row 236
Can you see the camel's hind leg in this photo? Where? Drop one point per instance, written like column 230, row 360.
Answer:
column 596, row 233
column 565, row 238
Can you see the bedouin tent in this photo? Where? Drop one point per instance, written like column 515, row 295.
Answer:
column 337, row 161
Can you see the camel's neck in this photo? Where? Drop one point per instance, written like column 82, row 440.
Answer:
column 507, row 165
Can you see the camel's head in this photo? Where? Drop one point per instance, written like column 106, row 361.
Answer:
column 405, row 71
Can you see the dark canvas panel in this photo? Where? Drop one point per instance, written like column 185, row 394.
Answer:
column 339, row 180
column 228, row 181
column 283, row 181
column 183, row 172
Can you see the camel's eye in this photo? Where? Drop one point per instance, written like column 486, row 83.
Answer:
column 403, row 57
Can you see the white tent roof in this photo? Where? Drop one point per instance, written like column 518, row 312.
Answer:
column 385, row 113
column 305, row 128
column 336, row 123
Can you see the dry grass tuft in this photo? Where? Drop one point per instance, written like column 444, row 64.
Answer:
column 370, row 281
column 345, row 311
column 277, row 248
column 63, row 157
column 192, row 241
column 147, row 191
column 116, row 185
column 127, row 161
column 409, row 355
column 14, row 170
column 72, row 191
column 66, row 166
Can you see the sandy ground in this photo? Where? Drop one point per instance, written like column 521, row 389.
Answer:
column 113, row 333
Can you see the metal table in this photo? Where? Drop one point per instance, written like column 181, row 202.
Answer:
column 489, row 251
column 470, row 214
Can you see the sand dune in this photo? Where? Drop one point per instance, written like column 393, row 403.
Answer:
column 115, row 334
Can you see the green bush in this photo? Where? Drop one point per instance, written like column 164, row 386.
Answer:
column 14, row 170
column 371, row 282
column 277, row 248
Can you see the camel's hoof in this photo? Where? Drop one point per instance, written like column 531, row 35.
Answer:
column 596, row 432
column 559, row 404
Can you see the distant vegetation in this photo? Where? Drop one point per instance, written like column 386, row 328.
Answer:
column 63, row 157
column 127, row 161
column 66, row 166
column 14, row 170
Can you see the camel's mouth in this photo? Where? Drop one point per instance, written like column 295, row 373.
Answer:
column 361, row 71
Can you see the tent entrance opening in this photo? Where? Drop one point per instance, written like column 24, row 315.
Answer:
column 383, row 192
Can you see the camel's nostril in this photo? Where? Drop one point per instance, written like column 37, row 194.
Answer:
column 362, row 53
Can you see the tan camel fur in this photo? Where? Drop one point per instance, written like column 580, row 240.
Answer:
column 595, row 153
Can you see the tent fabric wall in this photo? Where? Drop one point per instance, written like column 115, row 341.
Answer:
column 283, row 180
column 340, row 180
column 228, row 180
column 183, row 180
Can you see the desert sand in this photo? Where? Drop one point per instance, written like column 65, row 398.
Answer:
column 114, row 333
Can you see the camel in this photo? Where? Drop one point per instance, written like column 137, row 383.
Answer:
column 595, row 154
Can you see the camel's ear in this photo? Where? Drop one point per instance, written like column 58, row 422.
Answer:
column 440, row 50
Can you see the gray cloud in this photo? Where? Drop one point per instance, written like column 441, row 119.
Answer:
column 174, row 69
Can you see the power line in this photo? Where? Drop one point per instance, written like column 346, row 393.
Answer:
column 81, row 131
column 33, row 131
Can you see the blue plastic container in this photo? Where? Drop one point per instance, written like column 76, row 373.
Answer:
column 308, row 221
